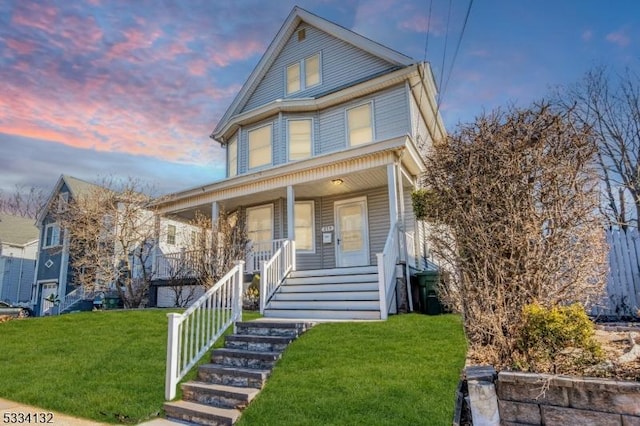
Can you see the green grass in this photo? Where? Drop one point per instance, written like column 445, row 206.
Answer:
column 106, row 366
column 400, row 372
column 110, row 366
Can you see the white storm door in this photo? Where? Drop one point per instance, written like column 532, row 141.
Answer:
column 352, row 233
column 47, row 290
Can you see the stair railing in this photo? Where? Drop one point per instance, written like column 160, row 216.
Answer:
column 387, row 261
column 275, row 270
column 192, row 333
column 70, row 299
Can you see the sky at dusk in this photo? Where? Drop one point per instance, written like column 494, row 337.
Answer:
column 134, row 88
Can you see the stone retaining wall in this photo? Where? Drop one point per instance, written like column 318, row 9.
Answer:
column 539, row 399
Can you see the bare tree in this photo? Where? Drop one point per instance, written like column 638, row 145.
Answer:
column 111, row 239
column 511, row 202
column 611, row 107
column 25, row 202
column 209, row 254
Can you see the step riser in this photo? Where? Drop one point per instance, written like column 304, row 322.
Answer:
column 198, row 418
column 328, row 288
column 326, row 305
column 213, row 399
column 232, row 361
column 336, row 296
column 346, row 279
column 260, row 331
column 219, row 378
column 256, row 346
column 322, row 314
column 336, row 272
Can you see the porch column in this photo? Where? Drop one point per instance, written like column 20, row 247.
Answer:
column 215, row 213
column 401, row 212
column 155, row 269
column 291, row 214
column 392, row 185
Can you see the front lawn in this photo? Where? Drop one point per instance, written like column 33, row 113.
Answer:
column 400, row 372
column 110, row 366
column 107, row 366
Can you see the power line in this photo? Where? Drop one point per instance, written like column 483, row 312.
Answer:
column 455, row 54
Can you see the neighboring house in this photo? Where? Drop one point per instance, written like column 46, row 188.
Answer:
column 18, row 249
column 323, row 147
column 54, row 275
column 54, row 267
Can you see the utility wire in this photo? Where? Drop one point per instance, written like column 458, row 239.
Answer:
column 455, row 54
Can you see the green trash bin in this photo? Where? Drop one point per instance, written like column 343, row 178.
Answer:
column 427, row 283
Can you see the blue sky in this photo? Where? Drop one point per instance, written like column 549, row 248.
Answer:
column 135, row 88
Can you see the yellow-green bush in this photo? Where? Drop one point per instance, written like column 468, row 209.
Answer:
column 562, row 336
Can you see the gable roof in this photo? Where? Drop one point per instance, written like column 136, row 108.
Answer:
column 76, row 187
column 294, row 19
column 17, row 230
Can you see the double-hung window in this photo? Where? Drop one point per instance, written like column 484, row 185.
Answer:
column 303, row 74
column 304, row 226
column 260, row 224
column 171, row 234
column 232, row 157
column 300, row 139
column 52, row 235
column 260, row 146
column 360, row 125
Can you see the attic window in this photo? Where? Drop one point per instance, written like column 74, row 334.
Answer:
column 303, row 74
column 302, row 34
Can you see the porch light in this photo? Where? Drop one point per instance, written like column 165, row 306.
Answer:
column 337, row 181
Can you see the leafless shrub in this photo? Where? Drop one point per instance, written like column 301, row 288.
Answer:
column 512, row 202
column 24, row 202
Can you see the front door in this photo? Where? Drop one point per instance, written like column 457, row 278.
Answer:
column 352, row 232
column 47, row 290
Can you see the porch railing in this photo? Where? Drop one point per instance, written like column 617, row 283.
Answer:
column 275, row 270
column 193, row 332
column 387, row 261
column 70, row 299
column 262, row 251
column 180, row 265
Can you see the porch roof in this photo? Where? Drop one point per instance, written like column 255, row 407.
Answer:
column 364, row 165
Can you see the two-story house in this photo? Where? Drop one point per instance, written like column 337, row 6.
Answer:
column 322, row 149
column 54, row 266
column 18, row 248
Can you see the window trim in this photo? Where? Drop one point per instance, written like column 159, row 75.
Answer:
column 302, row 74
column 313, row 226
column 311, row 138
column 253, row 129
column 55, row 235
column 171, row 235
column 232, row 143
column 371, row 118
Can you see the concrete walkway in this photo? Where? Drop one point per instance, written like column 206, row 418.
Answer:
column 17, row 415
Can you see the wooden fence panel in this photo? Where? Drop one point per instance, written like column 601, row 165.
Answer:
column 623, row 281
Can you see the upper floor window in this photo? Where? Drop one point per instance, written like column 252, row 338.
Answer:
column 53, row 236
column 63, row 199
column 260, row 146
column 171, row 234
column 232, row 157
column 359, row 125
column 304, row 74
column 299, row 139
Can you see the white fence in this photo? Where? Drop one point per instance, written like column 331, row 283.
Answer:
column 623, row 281
column 192, row 333
column 387, row 261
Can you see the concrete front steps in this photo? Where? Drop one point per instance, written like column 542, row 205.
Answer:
column 328, row 294
column 236, row 373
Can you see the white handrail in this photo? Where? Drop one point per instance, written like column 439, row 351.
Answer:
column 275, row 270
column 70, row 299
column 262, row 251
column 192, row 333
column 387, row 261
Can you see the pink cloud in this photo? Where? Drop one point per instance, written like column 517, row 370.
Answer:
column 198, row 67
column 21, row 47
column 587, row 35
column 134, row 39
column 421, row 24
column 619, row 37
column 39, row 16
column 235, row 50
